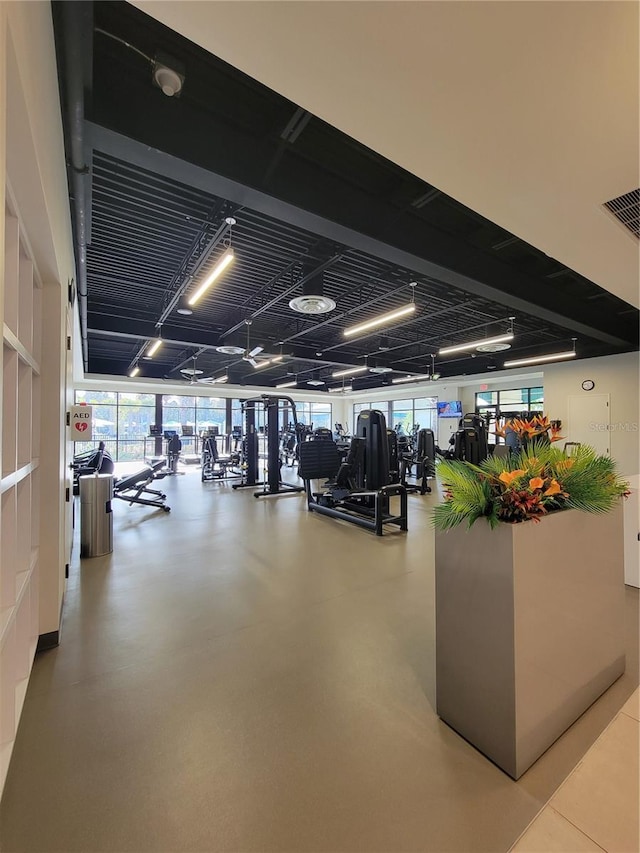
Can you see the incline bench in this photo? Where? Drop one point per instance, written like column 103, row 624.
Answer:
column 131, row 487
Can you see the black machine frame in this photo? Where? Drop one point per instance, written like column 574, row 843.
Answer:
column 132, row 488
column 356, row 491
column 215, row 467
column 273, row 484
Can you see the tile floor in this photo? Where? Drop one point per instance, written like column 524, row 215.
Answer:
column 597, row 807
column 242, row 675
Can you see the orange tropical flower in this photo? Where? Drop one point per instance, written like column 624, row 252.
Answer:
column 536, row 483
column 507, row 477
column 564, row 464
column 554, row 488
column 501, row 429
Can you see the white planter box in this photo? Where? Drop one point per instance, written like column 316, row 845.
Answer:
column 529, row 629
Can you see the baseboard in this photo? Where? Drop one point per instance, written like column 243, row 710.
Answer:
column 51, row 639
column 48, row 641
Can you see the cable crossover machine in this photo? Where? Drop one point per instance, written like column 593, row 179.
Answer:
column 270, row 407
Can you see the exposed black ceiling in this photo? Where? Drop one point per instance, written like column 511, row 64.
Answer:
column 160, row 175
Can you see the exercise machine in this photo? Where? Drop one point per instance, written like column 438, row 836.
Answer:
column 360, row 488
column 270, row 407
column 173, row 448
column 97, row 461
column 134, row 488
column 342, row 437
column 421, row 454
column 216, row 467
column 470, row 442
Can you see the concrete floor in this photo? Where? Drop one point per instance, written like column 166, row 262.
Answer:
column 241, row 675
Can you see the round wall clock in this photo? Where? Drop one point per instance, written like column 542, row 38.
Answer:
column 588, row 385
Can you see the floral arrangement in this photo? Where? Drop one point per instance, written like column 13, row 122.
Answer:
column 526, row 486
column 539, row 426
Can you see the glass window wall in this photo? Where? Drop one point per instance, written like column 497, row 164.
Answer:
column 509, row 403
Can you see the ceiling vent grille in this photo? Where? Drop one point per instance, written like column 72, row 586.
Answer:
column 626, row 209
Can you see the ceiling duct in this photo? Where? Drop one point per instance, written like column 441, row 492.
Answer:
column 313, row 300
column 232, row 345
column 626, row 209
column 493, row 347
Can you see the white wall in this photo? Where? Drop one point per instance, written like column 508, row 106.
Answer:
column 615, row 375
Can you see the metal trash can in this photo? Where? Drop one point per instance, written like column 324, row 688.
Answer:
column 96, row 516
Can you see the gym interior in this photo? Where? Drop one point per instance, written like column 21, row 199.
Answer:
column 269, row 269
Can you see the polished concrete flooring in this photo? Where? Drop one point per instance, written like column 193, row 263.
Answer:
column 242, row 675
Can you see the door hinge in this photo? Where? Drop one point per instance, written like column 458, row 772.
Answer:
column 66, row 570
column 69, row 343
column 67, row 494
column 68, row 418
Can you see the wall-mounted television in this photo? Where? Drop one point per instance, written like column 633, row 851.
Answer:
column 452, row 409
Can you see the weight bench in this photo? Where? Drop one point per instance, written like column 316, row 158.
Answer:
column 131, row 488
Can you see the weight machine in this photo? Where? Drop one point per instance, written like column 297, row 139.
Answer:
column 360, row 488
column 470, row 442
column 272, row 483
column 217, row 467
column 419, row 450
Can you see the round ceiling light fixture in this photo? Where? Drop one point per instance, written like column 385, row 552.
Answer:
column 315, row 382
column 493, row 347
column 381, row 370
column 185, row 311
column 312, row 304
column 229, row 350
column 191, row 371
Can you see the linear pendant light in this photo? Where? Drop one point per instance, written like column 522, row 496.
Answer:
column 134, row 372
column 287, row 384
column 498, row 339
column 349, row 372
column 222, row 264
column 262, row 364
column 155, row 346
column 556, row 356
column 382, row 320
column 408, row 379
column 346, row 389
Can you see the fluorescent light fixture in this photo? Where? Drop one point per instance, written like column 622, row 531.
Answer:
column 155, row 346
column 220, row 380
column 498, row 339
column 287, row 384
column 262, row 364
column 556, row 356
column 407, row 379
column 346, row 389
column 222, row 264
column 382, row 320
column 349, row 372
column 135, row 371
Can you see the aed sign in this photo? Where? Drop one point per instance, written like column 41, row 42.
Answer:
column 80, row 421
